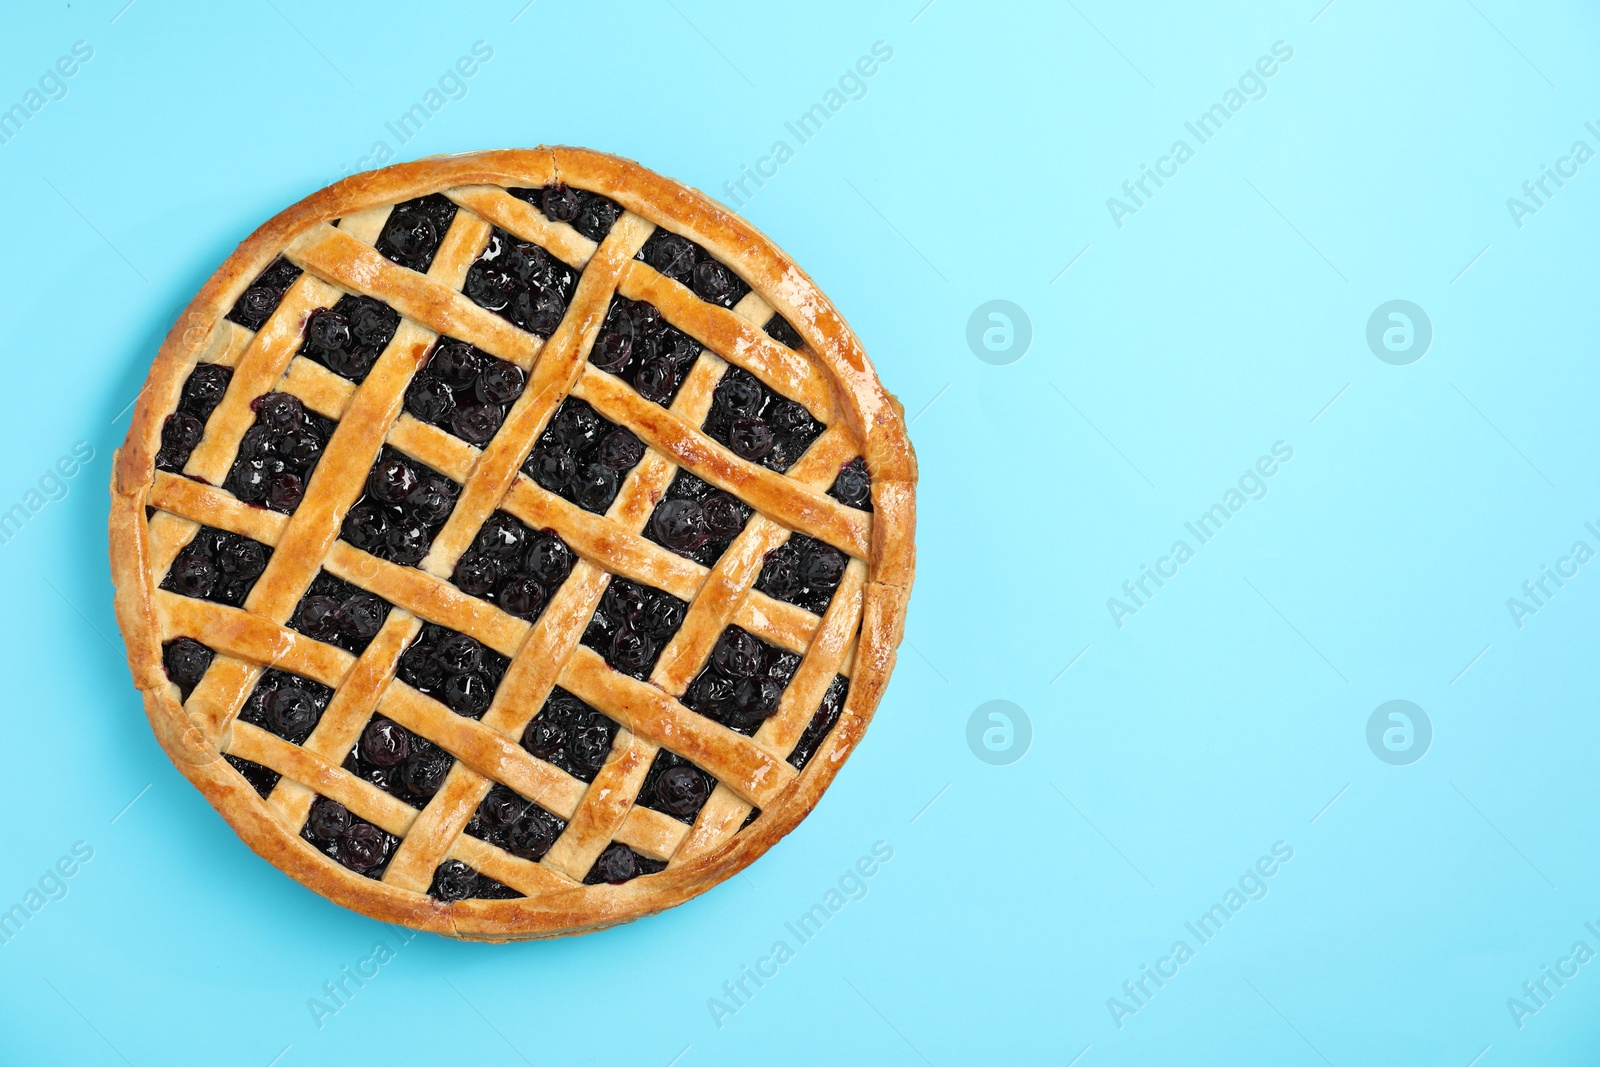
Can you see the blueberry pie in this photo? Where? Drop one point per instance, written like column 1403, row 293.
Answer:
column 512, row 544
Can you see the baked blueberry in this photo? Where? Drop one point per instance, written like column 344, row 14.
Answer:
column 262, row 779
column 742, row 685
column 779, row 330
column 583, row 457
column 278, row 453
column 186, row 661
column 286, row 704
column 217, row 565
column 619, row 863
column 803, row 571
column 414, row 229
column 362, row 847
column 404, row 506
column 261, row 299
column 454, row 669
column 521, row 282
column 328, row 820
column 453, row 880
column 853, row 486
column 385, row 743
column 757, row 424
column 696, row 520
column 570, row 734
column 675, row 787
column 638, row 345
column 822, row 721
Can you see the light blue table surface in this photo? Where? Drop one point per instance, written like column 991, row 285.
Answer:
column 1395, row 895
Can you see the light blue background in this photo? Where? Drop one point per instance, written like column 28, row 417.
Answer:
column 1225, row 716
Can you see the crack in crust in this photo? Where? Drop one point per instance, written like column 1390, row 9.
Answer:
column 856, row 637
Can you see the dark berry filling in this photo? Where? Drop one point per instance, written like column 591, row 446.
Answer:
column 515, row 567
column 454, row 880
column 589, row 213
column 404, row 506
column 779, row 330
column 454, row 669
column 757, row 424
column 184, row 428
column 619, row 863
column 286, row 704
column 186, row 661
column 339, row 613
column 464, row 390
column 570, row 734
column 262, row 779
column 853, row 486
column 639, row 346
column 755, row 813
column 632, row 625
column 517, row 825
column 582, row 456
column 278, row 453
column 399, row 762
column 676, row 787
column 414, row 230
column 822, row 721
column 349, row 337
column 348, row 839
column 217, row 565
column 744, row 681
column 696, row 520
column 684, row 261
column 258, row 302
column 522, row 283
column 804, row 572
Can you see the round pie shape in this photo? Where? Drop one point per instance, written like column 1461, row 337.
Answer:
column 531, row 258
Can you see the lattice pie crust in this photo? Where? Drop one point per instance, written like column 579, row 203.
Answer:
column 331, row 237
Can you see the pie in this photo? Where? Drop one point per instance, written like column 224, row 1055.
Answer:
column 511, row 544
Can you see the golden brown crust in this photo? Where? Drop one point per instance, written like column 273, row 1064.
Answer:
column 831, row 375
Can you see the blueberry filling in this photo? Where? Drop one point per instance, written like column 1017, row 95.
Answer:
column 589, row 213
column 414, row 230
column 779, row 330
column 570, row 734
column 217, row 565
column 757, row 424
column 519, row 826
column 258, row 302
column 822, row 721
column 454, row 880
column 514, row 567
column 348, row 337
column 582, row 456
column 350, row 840
column 464, row 391
column 278, row 453
column 853, row 486
column 522, row 283
column 399, row 762
column 619, row 863
column 675, row 787
column 262, row 779
column 744, row 681
column 632, row 625
column 684, row 261
column 804, row 572
column 454, row 669
column 184, row 428
column 186, row 661
column 337, row 612
column 639, row 346
column 404, row 506
column 286, row 704
column 696, row 520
